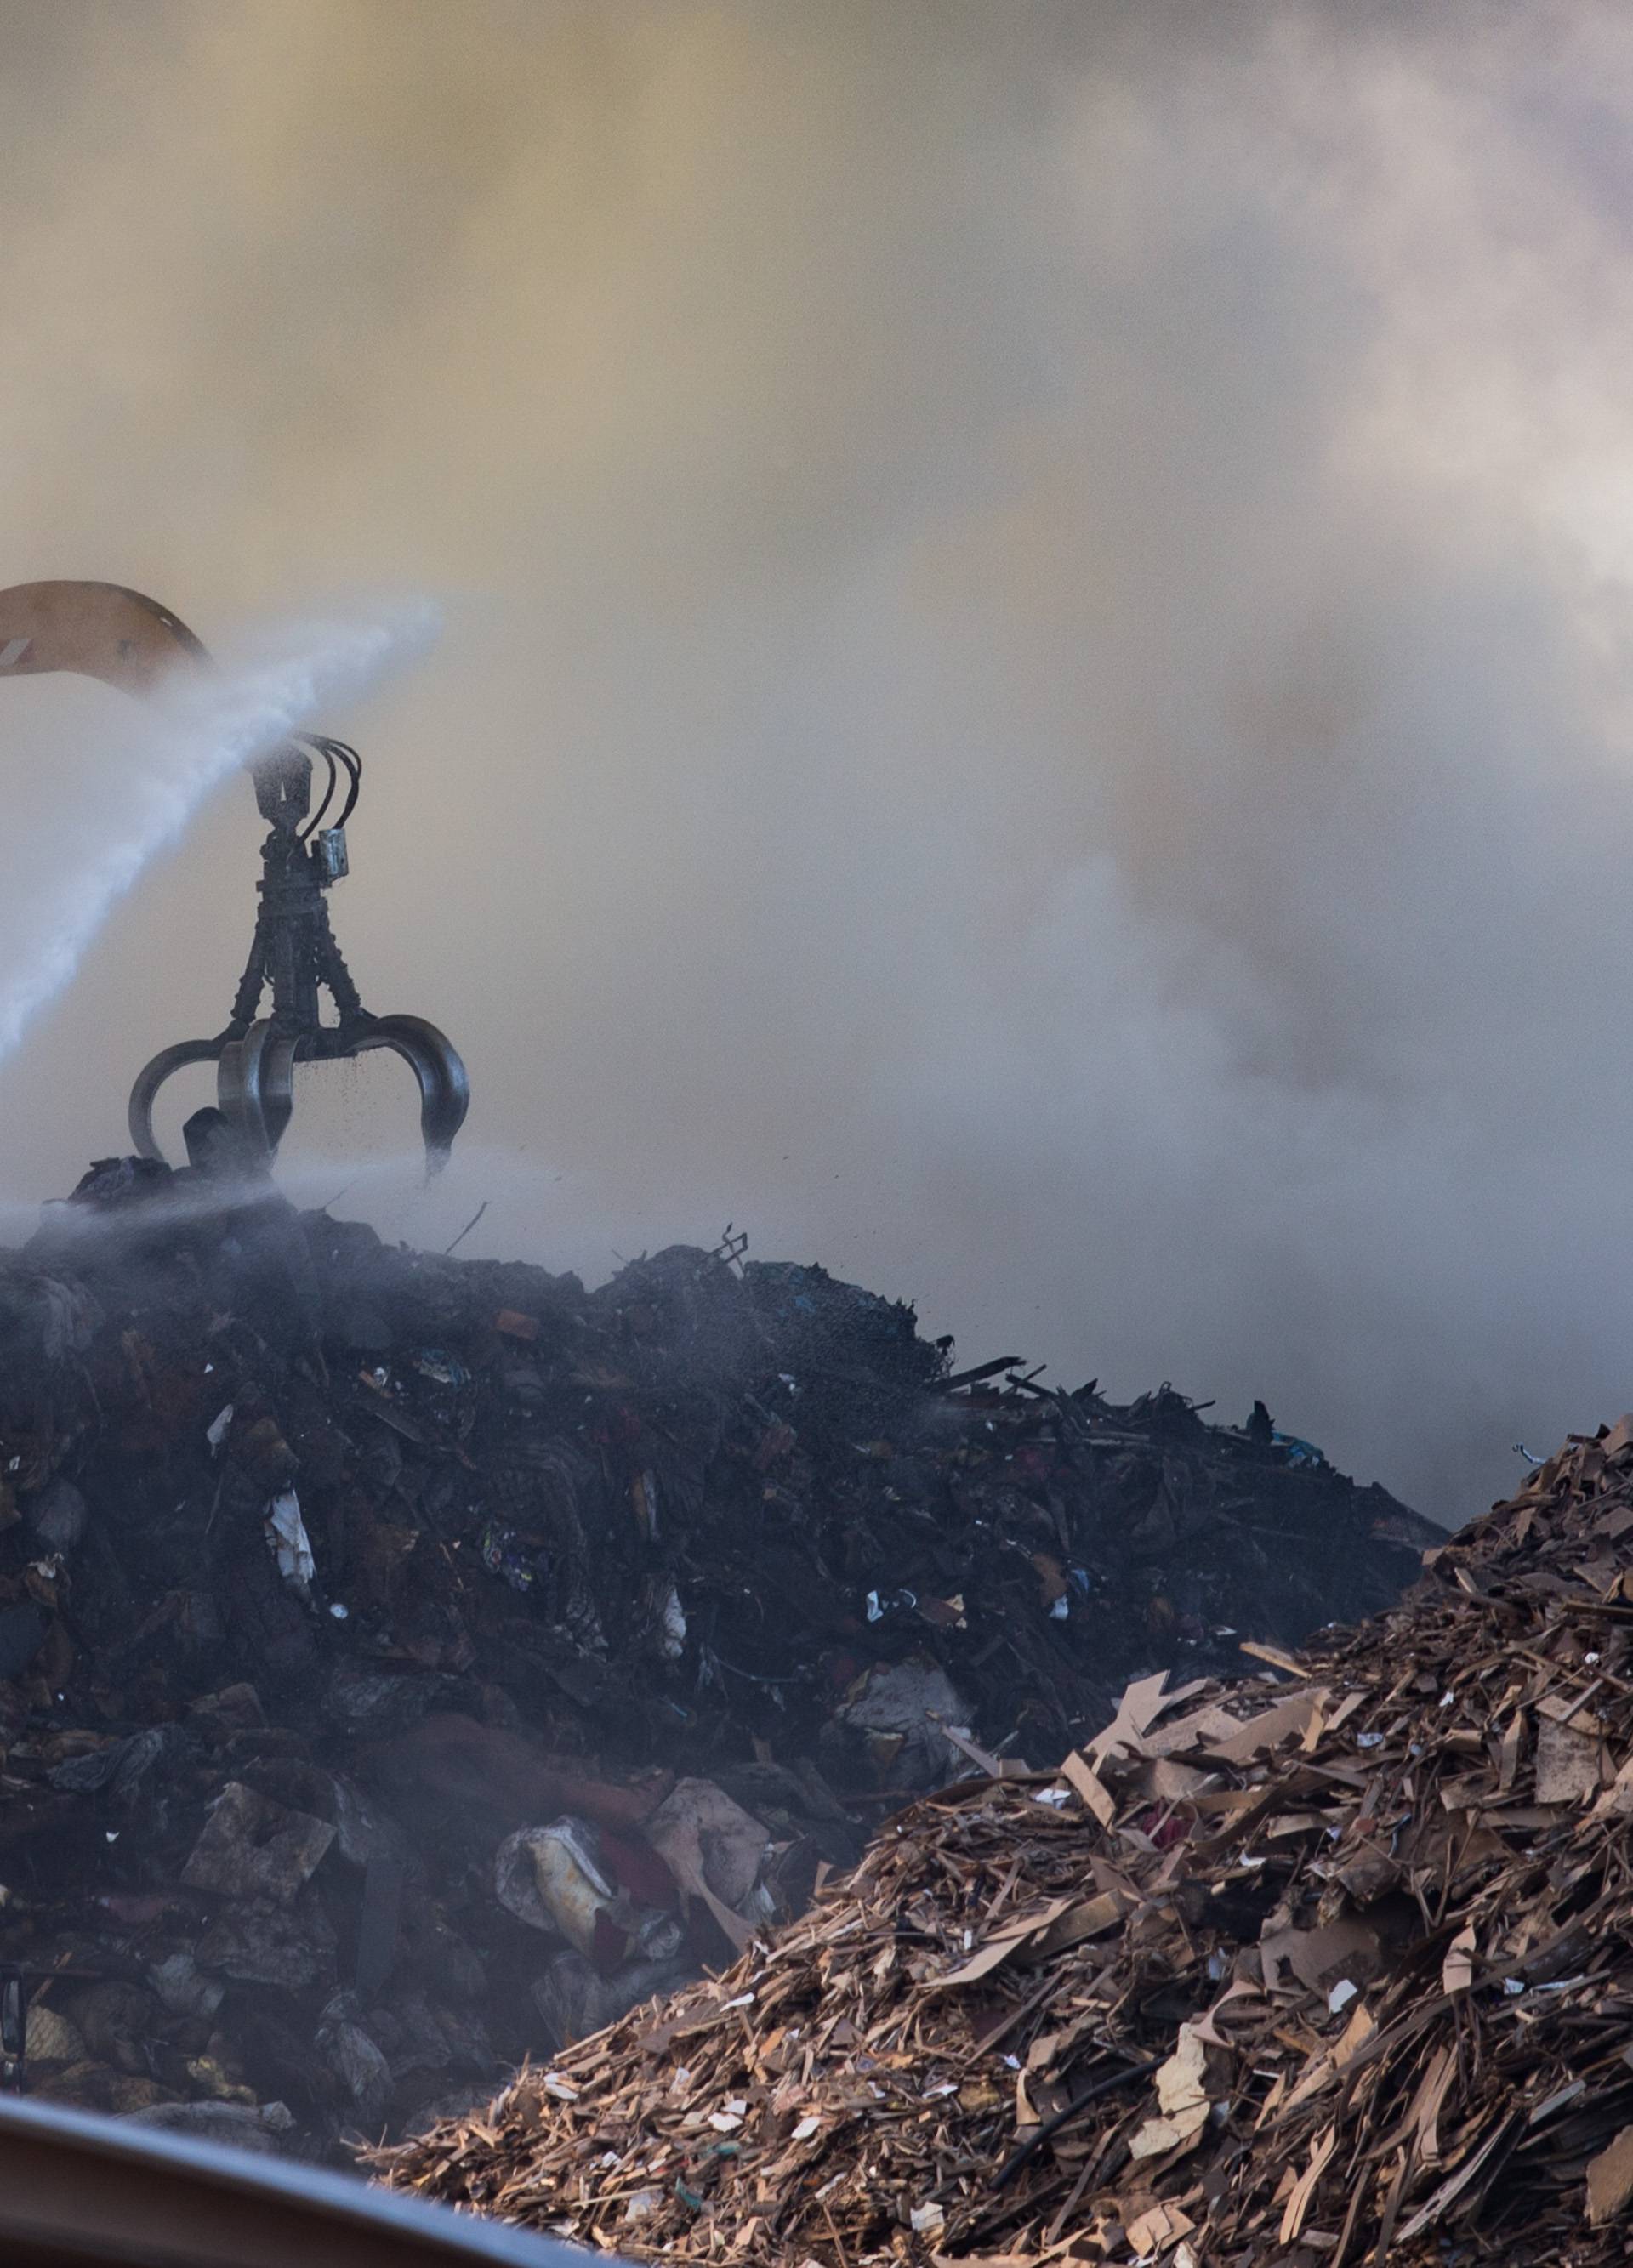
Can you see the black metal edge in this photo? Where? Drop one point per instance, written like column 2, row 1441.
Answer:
column 430, row 2229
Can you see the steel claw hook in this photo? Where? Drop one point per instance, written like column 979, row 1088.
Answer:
column 436, row 1064
column 254, row 1081
column 150, row 1077
column 254, row 1089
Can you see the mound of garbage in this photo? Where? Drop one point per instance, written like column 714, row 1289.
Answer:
column 1334, row 1964
column 409, row 1663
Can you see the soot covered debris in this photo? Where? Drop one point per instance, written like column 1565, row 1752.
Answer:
column 409, row 1663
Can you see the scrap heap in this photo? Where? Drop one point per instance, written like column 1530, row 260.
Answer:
column 409, row 1662
column 1330, row 1965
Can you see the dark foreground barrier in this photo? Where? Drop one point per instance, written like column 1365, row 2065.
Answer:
column 77, row 2189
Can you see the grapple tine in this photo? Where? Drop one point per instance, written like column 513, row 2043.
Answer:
column 435, row 1062
column 255, row 1087
column 151, row 1077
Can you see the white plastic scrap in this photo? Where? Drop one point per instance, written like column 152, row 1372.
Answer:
column 216, row 1432
column 672, row 1627
column 286, row 1533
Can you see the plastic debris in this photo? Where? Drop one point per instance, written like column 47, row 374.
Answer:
column 291, row 1546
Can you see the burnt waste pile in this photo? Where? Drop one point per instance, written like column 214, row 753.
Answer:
column 409, row 1662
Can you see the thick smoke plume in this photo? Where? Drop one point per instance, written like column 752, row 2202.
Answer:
column 1035, row 701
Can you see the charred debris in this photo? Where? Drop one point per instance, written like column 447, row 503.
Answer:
column 409, row 1663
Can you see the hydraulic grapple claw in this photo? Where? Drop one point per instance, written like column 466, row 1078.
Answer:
column 254, row 1081
column 101, row 629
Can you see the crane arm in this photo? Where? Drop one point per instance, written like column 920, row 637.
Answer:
column 103, row 631
column 93, row 629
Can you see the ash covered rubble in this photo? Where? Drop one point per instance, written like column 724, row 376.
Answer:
column 409, row 1662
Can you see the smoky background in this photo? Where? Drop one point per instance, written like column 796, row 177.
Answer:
column 1033, row 701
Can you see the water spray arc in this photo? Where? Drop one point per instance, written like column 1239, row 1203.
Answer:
column 105, row 631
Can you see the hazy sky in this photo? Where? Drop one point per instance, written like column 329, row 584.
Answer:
column 1036, row 695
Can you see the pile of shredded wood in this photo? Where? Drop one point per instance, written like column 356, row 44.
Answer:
column 1332, row 1965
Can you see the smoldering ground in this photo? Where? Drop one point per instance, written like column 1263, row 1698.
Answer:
column 1035, row 695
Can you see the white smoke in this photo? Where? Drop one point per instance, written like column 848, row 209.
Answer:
column 1039, row 702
